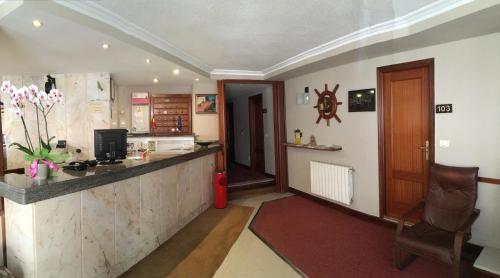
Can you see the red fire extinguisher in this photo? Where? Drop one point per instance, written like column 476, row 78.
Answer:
column 220, row 190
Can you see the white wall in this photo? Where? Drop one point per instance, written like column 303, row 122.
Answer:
column 204, row 125
column 467, row 74
column 242, row 129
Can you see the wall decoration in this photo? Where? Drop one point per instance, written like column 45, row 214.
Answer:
column 206, row 104
column 327, row 105
column 362, row 100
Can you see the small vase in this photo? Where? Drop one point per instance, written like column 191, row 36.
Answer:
column 42, row 171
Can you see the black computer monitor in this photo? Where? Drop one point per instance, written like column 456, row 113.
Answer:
column 110, row 145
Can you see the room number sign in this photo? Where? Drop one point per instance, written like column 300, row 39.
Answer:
column 444, row 108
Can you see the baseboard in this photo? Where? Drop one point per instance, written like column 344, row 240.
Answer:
column 270, row 175
column 470, row 251
column 250, row 185
column 346, row 210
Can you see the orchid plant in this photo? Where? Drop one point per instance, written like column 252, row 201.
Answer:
column 43, row 103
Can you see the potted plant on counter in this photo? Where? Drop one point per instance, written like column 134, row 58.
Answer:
column 37, row 149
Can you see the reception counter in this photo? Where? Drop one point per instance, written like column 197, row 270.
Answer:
column 101, row 222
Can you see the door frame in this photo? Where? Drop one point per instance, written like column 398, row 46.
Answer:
column 280, row 155
column 253, row 137
column 429, row 63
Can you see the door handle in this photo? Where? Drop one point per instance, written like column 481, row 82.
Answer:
column 426, row 149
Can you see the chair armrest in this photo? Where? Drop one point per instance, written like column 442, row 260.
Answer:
column 407, row 214
column 459, row 235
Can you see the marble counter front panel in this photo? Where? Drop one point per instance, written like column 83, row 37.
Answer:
column 103, row 231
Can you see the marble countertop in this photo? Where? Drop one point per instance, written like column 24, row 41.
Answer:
column 23, row 189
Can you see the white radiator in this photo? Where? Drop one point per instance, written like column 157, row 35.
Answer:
column 331, row 181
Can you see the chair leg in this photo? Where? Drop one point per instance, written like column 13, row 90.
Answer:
column 402, row 258
column 456, row 269
column 397, row 258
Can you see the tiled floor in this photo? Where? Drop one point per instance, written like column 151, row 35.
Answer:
column 249, row 256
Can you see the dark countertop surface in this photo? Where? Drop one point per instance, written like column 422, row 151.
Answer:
column 23, row 189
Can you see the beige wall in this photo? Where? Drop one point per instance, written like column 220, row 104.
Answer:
column 204, row 125
column 467, row 74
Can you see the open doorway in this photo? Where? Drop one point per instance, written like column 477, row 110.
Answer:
column 249, row 135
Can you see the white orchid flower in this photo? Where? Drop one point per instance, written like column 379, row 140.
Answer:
column 18, row 112
column 12, row 90
column 13, row 103
column 33, row 88
column 22, row 93
column 35, row 100
column 6, row 86
column 52, row 94
column 42, row 95
column 46, row 104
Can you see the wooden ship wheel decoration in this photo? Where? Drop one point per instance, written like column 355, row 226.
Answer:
column 327, row 105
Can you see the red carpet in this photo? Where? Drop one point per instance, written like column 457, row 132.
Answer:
column 324, row 242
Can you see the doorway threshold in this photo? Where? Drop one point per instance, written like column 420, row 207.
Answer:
column 242, row 185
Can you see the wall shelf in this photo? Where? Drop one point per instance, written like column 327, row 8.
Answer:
column 332, row 148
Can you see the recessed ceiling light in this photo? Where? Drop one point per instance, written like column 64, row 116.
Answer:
column 148, row 61
column 176, row 71
column 105, row 45
column 37, row 23
column 155, row 80
column 196, row 79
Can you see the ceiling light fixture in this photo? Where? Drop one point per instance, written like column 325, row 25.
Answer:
column 196, row 79
column 176, row 71
column 37, row 23
column 155, row 80
column 105, row 46
column 148, row 61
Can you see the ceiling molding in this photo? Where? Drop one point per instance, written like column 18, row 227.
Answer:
column 419, row 15
column 97, row 12
column 236, row 74
column 6, row 7
column 360, row 38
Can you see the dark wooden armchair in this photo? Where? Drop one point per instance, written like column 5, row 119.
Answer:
column 449, row 212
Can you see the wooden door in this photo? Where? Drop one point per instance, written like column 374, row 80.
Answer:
column 405, row 93
column 256, row 116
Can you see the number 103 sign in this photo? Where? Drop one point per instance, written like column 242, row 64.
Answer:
column 444, row 108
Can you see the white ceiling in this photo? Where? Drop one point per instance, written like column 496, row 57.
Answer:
column 255, row 35
column 218, row 39
column 63, row 46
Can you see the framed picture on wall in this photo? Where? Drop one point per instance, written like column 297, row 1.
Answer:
column 362, row 100
column 206, row 104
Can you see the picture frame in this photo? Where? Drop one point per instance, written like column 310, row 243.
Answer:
column 362, row 100
column 206, row 103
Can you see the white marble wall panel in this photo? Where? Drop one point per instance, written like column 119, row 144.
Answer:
column 169, row 212
column 183, row 193
column 58, row 237
column 84, row 109
column 207, row 179
column 98, row 231
column 151, row 185
column 74, row 90
column 128, row 245
column 20, row 239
